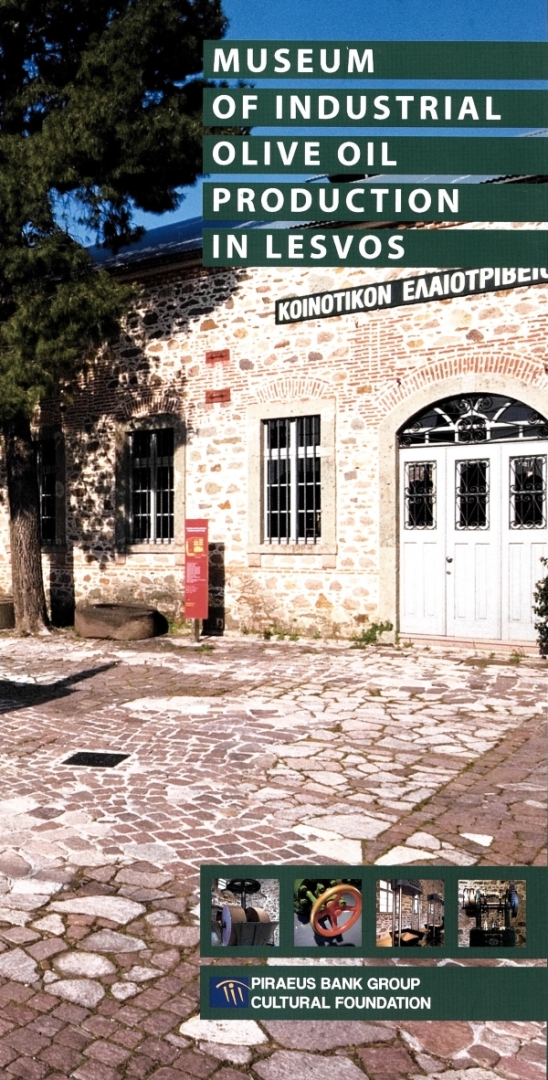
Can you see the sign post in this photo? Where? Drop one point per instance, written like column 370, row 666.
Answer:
column 196, row 571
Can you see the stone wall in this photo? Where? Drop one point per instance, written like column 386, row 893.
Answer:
column 359, row 369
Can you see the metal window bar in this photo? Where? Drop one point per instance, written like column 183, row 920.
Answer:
column 293, row 480
column 164, row 484
column 308, row 484
column 47, row 476
column 528, row 492
column 420, row 495
column 151, row 516
column 278, row 482
column 472, row 495
column 474, row 418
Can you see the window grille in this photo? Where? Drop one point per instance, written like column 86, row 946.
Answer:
column 528, row 492
column 420, row 495
column 472, row 495
column 474, row 418
column 292, row 480
column 151, row 513
column 47, row 475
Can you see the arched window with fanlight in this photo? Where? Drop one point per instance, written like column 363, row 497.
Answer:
column 474, row 418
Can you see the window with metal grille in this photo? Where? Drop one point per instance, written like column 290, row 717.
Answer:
column 47, row 475
column 151, row 513
column 474, row 418
column 528, row 492
column 472, row 495
column 292, row 480
column 420, row 495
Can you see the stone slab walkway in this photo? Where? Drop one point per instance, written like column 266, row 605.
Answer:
column 250, row 752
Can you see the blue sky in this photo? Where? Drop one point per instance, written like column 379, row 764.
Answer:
column 428, row 20
column 403, row 20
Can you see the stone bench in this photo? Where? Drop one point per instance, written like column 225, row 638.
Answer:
column 7, row 617
column 121, row 622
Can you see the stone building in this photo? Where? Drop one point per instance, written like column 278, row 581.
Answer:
column 382, row 464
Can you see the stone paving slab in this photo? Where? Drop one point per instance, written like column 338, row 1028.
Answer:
column 251, row 752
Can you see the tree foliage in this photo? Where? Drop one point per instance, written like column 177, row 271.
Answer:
column 99, row 115
column 96, row 108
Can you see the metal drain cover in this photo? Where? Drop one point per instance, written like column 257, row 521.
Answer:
column 95, row 759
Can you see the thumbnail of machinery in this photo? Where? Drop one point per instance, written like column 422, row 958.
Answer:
column 493, row 912
column 243, row 923
column 327, row 912
column 434, row 919
column 410, row 927
column 405, row 936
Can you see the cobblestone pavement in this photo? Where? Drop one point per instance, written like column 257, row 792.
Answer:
column 251, row 752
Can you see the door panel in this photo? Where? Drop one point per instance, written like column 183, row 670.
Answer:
column 473, row 541
column 524, row 569
column 524, row 534
column 460, row 571
column 419, row 594
column 481, row 578
column 422, row 517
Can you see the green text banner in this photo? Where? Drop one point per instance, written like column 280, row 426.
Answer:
column 350, row 108
column 377, row 201
column 354, row 154
column 383, row 247
column 381, row 59
column 370, row 993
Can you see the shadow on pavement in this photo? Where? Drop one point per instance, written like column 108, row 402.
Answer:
column 16, row 695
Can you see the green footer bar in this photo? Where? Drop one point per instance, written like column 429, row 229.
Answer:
column 357, row 993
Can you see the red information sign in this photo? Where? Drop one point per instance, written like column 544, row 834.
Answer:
column 196, row 569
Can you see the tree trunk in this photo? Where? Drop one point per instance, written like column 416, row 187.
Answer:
column 24, row 501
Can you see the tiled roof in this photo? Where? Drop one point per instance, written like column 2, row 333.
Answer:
column 175, row 239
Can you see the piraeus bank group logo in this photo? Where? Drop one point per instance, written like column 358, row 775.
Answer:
column 228, row 993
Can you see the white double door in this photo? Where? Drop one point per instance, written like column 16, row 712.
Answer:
column 472, row 533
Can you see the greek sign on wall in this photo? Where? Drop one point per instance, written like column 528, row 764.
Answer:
column 403, row 291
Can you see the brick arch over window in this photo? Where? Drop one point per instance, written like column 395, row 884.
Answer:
column 501, row 371
column 150, row 403
column 294, row 388
column 414, row 394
